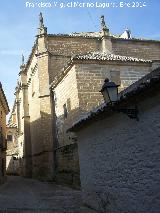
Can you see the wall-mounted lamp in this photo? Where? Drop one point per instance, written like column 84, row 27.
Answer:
column 110, row 94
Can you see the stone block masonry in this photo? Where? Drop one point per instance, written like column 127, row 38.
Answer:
column 149, row 50
column 67, row 165
column 4, row 110
column 63, row 47
column 94, row 74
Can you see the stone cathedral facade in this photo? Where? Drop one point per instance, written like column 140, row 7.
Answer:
column 60, row 82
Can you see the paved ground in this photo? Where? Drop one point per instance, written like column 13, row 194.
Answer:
column 20, row 195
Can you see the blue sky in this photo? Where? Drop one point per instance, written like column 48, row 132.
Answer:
column 18, row 27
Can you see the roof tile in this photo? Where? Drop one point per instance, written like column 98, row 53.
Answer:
column 103, row 56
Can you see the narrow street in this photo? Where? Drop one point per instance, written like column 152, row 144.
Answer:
column 20, row 195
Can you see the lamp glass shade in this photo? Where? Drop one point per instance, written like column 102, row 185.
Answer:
column 109, row 91
column 112, row 94
column 106, row 95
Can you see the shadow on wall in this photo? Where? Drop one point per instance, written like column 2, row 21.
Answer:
column 42, row 146
column 35, row 150
column 50, row 159
column 67, row 165
column 54, row 153
column 68, row 118
column 13, row 165
column 66, row 152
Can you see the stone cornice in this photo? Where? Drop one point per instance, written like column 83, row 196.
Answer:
column 135, row 40
column 45, row 53
column 26, row 116
column 31, row 55
column 24, row 86
column 32, row 74
column 44, row 96
column 18, row 101
column 73, row 36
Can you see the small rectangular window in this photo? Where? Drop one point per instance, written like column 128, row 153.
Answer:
column 68, row 105
column 9, row 137
column 65, row 111
column 33, row 87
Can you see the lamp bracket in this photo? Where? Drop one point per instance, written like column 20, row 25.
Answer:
column 130, row 112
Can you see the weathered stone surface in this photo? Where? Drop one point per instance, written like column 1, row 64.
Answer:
column 67, row 165
column 12, row 153
column 149, row 50
column 4, row 110
column 119, row 160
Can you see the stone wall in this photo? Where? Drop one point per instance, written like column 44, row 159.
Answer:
column 68, row 46
column 137, row 48
column 66, row 156
column 66, row 93
column 67, row 165
column 2, row 119
column 12, row 165
column 12, row 154
column 62, row 48
column 35, row 124
column 20, row 124
column 3, row 144
column 40, row 117
column 90, row 78
column 42, row 150
column 119, row 160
